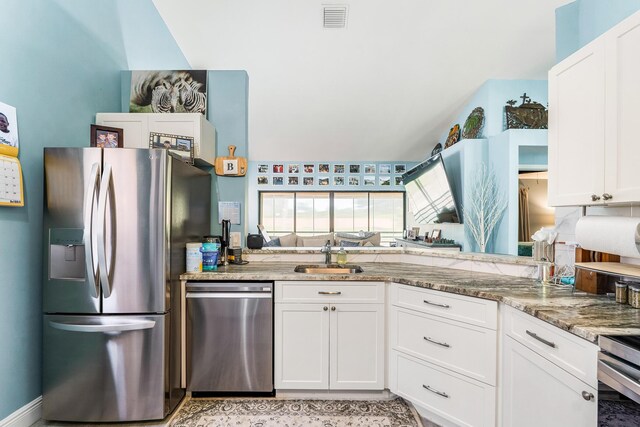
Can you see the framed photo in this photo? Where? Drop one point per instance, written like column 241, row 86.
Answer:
column 354, row 180
column 278, row 180
column 107, row 137
column 338, row 168
column 370, row 168
column 411, row 234
column 263, row 168
column 398, row 180
column 369, row 180
column 385, row 169
column 263, row 180
column 293, row 180
column 294, row 168
column 385, row 180
column 435, row 234
column 307, row 180
column 338, row 180
column 323, row 168
column 354, row 168
column 278, row 168
column 180, row 145
column 400, row 168
column 309, row 168
column 323, row 181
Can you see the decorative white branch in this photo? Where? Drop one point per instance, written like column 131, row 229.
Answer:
column 486, row 205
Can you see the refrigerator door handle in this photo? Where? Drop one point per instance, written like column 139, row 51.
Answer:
column 91, row 327
column 102, row 246
column 87, row 238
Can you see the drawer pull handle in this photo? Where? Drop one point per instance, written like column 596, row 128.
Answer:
column 542, row 340
column 587, row 396
column 436, row 304
column 443, row 344
column 433, row 390
column 329, row 292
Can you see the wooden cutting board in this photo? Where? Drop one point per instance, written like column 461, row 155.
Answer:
column 231, row 165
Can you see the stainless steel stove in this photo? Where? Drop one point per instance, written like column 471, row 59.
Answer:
column 619, row 364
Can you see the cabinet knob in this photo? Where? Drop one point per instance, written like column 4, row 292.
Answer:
column 595, row 197
column 607, row 196
column 325, row 308
column 587, row 396
column 333, row 308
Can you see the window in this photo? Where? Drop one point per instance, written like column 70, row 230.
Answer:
column 310, row 213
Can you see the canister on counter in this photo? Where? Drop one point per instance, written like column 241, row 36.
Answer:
column 634, row 296
column 194, row 257
column 621, row 292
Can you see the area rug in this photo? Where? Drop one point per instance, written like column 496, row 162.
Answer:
column 295, row 413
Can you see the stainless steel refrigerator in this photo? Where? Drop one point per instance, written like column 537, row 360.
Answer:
column 116, row 222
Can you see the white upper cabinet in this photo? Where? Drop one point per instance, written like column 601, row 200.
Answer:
column 622, row 155
column 592, row 111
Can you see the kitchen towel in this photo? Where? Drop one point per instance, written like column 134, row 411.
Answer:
column 612, row 234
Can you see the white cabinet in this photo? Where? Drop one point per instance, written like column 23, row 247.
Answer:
column 302, row 346
column 329, row 335
column 622, row 44
column 443, row 354
column 592, row 118
column 549, row 377
column 137, row 127
column 538, row 393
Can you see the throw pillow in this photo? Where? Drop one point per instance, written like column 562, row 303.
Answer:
column 272, row 243
column 289, row 240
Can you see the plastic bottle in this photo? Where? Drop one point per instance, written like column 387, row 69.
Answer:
column 341, row 257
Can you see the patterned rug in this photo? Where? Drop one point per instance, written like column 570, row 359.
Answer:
column 294, row 413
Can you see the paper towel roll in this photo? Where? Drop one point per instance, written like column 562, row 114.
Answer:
column 617, row 235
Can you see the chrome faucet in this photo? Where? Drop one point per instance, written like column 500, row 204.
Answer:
column 326, row 250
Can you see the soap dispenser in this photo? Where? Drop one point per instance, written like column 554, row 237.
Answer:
column 341, row 257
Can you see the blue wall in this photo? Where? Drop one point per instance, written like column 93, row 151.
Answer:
column 59, row 69
column 580, row 22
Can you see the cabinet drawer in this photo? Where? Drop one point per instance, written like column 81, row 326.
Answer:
column 466, row 349
column 459, row 399
column 475, row 311
column 329, row 291
column 575, row 355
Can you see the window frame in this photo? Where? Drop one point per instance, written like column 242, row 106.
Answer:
column 331, row 205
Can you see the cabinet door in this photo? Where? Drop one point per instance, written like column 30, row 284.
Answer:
column 623, row 92
column 536, row 392
column 576, row 127
column 357, row 347
column 301, row 346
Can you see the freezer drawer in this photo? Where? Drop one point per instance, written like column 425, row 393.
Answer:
column 104, row 368
column 230, row 337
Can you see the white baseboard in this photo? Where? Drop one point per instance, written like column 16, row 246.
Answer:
column 25, row 416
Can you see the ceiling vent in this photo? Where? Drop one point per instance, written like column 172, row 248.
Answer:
column 335, row 16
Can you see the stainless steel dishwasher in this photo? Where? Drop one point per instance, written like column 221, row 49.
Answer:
column 230, row 337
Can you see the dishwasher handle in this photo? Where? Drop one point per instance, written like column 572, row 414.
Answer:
column 245, row 295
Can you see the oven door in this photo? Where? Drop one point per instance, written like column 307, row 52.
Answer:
column 619, row 375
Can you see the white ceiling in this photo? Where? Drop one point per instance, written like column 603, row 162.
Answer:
column 385, row 88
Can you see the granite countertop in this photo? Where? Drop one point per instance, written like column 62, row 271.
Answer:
column 584, row 315
column 381, row 250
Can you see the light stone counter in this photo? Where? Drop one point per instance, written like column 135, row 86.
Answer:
column 584, row 315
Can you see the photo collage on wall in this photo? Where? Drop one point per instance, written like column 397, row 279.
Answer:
column 337, row 175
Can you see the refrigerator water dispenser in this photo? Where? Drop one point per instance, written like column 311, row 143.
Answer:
column 66, row 254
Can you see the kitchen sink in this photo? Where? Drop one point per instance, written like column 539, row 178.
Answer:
column 329, row 269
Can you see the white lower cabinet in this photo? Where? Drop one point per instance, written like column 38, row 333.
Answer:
column 443, row 354
column 301, row 346
column 329, row 344
column 456, row 399
column 536, row 392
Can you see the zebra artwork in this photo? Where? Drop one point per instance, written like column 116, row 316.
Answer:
column 168, row 91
